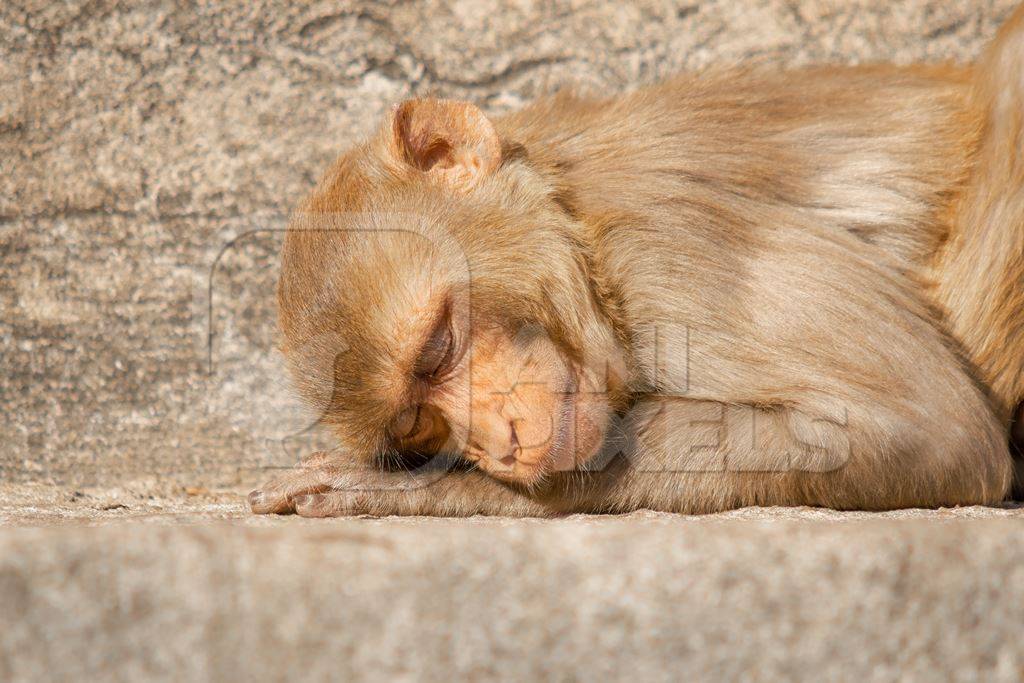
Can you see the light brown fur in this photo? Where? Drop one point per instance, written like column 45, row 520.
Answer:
column 762, row 288
column 979, row 270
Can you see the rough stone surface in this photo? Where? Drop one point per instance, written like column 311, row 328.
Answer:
column 149, row 151
column 751, row 595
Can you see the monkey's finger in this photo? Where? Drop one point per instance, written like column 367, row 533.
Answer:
column 276, row 497
column 270, row 502
column 262, row 503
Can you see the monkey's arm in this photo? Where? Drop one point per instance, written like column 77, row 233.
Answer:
column 326, row 487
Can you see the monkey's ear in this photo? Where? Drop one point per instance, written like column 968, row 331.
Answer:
column 453, row 140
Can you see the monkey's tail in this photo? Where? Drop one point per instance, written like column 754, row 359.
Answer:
column 980, row 275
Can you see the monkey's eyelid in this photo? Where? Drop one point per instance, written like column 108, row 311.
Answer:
column 449, row 353
column 437, row 352
column 407, row 424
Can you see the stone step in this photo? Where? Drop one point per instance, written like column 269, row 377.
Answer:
column 211, row 593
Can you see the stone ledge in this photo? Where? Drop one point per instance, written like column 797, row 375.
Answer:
column 198, row 590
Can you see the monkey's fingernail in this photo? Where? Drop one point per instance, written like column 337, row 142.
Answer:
column 256, row 499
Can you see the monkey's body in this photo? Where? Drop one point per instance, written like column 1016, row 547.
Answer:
column 814, row 282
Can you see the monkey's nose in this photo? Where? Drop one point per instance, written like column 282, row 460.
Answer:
column 513, row 449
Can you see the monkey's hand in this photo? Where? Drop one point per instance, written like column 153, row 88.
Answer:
column 315, row 474
column 322, row 486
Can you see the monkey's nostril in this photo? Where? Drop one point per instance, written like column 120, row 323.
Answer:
column 513, row 447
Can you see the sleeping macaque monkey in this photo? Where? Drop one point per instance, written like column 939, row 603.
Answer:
column 744, row 287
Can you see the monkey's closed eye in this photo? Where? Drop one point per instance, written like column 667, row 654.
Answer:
column 408, row 424
column 420, row 428
column 436, row 357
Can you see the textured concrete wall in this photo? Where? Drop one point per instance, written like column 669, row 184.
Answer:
column 148, row 152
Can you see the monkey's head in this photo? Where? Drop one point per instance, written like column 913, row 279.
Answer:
column 434, row 295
